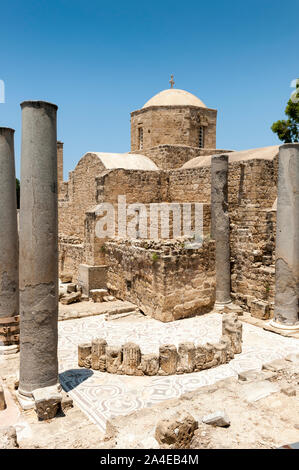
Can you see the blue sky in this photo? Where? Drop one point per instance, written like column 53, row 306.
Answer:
column 98, row 61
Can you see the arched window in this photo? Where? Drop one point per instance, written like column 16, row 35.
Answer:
column 201, row 137
column 140, row 138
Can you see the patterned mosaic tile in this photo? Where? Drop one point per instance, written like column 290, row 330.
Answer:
column 103, row 396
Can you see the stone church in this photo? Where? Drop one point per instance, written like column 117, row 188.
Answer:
column 173, row 137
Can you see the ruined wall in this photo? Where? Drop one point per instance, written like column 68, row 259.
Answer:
column 164, row 279
column 75, row 197
column 173, row 125
column 252, row 192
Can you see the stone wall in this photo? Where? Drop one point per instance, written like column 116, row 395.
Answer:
column 173, row 125
column 188, row 357
column 252, row 192
column 166, row 280
column 168, row 157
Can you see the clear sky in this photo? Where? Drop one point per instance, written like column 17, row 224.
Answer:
column 100, row 60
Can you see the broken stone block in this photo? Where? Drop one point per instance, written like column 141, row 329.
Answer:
column 255, row 391
column 150, row 364
column 66, row 402
column 84, row 355
column 113, row 359
column 66, row 277
column 186, row 357
column 260, row 309
column 131, row 359
column 8, row 437
column 98, row 350
column 2, row 399
column 200, row 358
column 218, row 418
column 97, row 295
column 108, row 298
column 71, row 298
column 225, row 340
column 233, row 328
column 168, row 359
column 211, row 360
column 176, row 431
column 47, row 402
column 289, row 391
column 71, row 288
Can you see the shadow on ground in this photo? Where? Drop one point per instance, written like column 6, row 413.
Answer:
column 71, row 378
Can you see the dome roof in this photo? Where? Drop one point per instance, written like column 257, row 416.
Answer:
column 174, row 97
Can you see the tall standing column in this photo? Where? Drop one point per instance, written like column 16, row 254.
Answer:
column 287, row 239
column 220, row 227
column 9, row 256
column 38, row 248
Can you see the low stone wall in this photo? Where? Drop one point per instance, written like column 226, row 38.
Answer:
column 164, row 279
column 187, row 358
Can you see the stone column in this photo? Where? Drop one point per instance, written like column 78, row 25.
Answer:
column 59, row 162
column 287, row 239
column 9, row 265
column 220, row 227
column 38, row 249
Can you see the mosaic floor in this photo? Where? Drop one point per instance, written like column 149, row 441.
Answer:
column 102, row 396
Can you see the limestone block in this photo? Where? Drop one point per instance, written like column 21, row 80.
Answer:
column 228, row 347
column 220, row 353
column 98, row 350
column 219, row 418
column 66, row 277
column 289, row 391
column 255, row 391
column 47, row 402
column 176, row 431
column 260, row 309
column 92, row 277
column 71, row 298
column 113, row 359
column 131, row 359
column 233, row 328
column 186, row 358
column 210, row 353
column 8, row 437
column 71, row 288
column 150, row 364
column 168, row 359
column 2, row 399
column 84, row 355
column 200, row 358
column 97, row 295
column 66, row 402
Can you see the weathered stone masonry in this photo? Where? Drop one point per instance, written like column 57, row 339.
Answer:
column 188, row 357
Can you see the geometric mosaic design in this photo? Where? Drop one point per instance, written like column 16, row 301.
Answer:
column 102, row 396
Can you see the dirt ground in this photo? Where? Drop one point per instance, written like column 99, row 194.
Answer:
column 256, row 422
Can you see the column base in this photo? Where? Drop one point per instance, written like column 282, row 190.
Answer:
column 221, row 305
column 45, row 401
column 6, row 350
column 283, row 327
column 27, row 403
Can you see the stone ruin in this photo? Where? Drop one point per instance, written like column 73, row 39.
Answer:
column 246, row 198
column 188, row 357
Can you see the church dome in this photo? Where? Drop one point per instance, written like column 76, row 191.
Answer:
column 174, row 97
